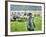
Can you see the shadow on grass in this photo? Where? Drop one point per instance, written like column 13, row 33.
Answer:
column 18, row 20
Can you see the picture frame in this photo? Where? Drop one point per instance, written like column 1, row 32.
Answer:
column 34, row 6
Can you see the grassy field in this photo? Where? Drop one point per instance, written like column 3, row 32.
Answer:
column 38, row 23
column 22, row 26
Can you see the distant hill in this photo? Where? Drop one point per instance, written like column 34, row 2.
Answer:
column 25, row 7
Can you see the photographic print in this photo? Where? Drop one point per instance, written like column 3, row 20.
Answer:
column 24, row 18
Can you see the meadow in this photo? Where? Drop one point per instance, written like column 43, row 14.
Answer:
column 17, row 26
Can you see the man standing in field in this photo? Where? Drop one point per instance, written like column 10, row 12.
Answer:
column 30, row 25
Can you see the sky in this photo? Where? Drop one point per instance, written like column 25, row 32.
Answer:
column 25, row 7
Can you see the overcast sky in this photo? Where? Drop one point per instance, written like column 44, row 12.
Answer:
column 25, row 7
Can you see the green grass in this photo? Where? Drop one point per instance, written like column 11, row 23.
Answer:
column 22, row 26
column 38, row 23
column 18, row 26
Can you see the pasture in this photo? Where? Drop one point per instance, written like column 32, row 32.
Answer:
column 17, row 26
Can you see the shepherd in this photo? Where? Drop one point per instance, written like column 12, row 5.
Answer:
column 31, row 25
